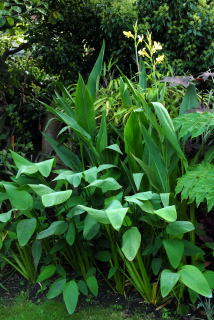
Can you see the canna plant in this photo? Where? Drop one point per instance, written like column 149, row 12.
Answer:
column 78, row 113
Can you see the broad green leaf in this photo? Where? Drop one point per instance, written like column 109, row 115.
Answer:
column 193, row 278
column 56, row 228
column 167, row 213
column 174, row 250
column 93, row 80
column 45, row 167
column 107, row 184
column 114, row 147
column 75, row 200
column 142, row 74
column 84, row 105
column 65, row 101
column 92, row 285
column 116, row 214
column 131, row 243
column 83, row 287
column 190, row 100
column 167, row 281
column 73, row 124
column 137, row 179
column 156, row 265
column 3, row 196
column 28, row 170
column 158, row 164
column 69, row 158
column 98, row 215
column 71, row 295
column 46, row 273
column 56, row 288
column 55, row 198
column 91, row 174
column 76, row 211
column 179, row 227
column 5, row 217
column 41, row 189
column 36, row 252
column 168, row 128
column 125, row 95
column 165, row 199
column 25, row 229
column 142, row 196
column 133, row 146
column 103, row 167
column 20, row 200
column 91, row 227
column 19, row 160
column 73, row 178
column 102, row 137
column 209, row 275
column 71, row 233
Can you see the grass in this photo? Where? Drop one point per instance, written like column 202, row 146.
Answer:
column 23, row 309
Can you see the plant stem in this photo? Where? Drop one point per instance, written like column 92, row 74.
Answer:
column 192, row 219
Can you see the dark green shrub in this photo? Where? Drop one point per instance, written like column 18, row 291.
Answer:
column 184, row 27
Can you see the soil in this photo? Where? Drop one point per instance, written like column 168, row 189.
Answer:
column 12, row 284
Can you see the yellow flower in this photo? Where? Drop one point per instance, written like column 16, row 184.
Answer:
column 157, row 46
column 128, row 34
column 140, row 38
column 160, row 58
column 143, row 53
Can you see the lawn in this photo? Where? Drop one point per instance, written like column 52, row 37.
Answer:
column 23, row 309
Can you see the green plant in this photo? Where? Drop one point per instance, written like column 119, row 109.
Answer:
column 155, row 161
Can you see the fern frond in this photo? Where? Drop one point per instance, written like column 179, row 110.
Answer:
column 194, row 124
column 198, row 185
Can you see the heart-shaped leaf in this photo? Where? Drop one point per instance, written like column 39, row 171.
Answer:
column 168, row 281
column 55, row 198
column 25, row 229
column 167, row 213
column 70, row 296
column 131, row 243
column 175, row 250
column 193, row 278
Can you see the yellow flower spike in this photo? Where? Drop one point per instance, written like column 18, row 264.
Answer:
column 160, row 58
column 128, row 34
column 143, row 53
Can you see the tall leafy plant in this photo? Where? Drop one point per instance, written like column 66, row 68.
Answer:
column 77, row 112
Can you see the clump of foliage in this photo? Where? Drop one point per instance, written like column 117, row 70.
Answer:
column 113, row 212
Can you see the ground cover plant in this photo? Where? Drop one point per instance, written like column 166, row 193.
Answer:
column 24, row 309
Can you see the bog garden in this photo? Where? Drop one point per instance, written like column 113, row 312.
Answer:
column 107, row 174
